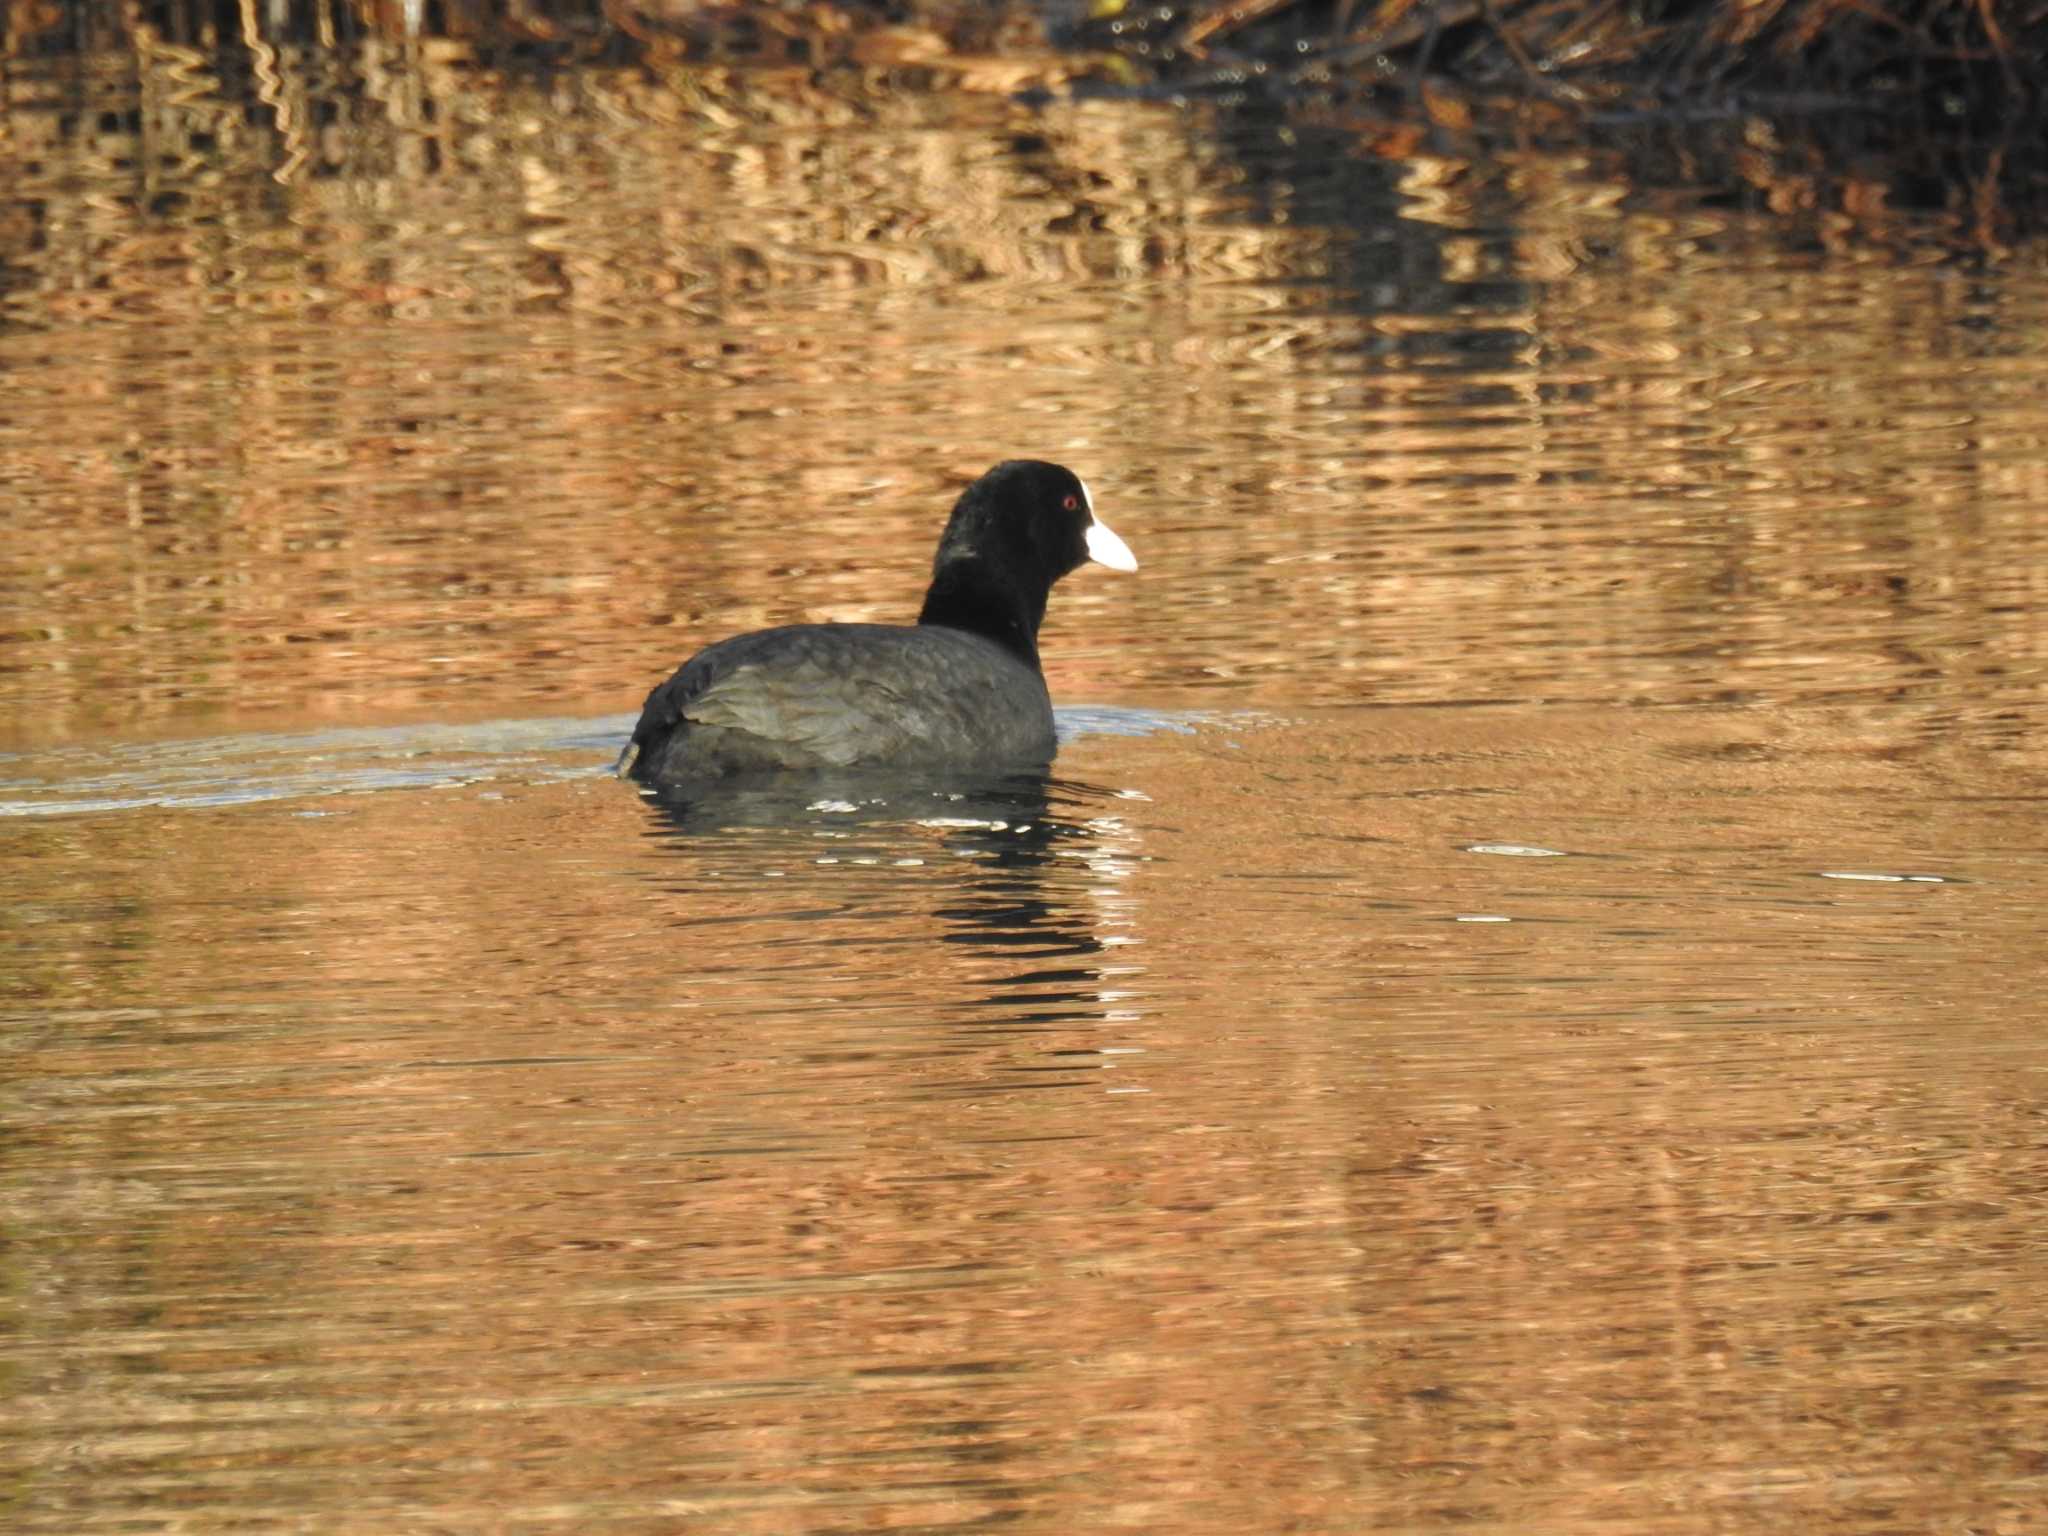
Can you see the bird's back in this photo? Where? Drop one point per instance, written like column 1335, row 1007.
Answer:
column 834, row 696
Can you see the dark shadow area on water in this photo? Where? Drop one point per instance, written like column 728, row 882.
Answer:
column 1008, row 830
column 1010, row 869
column 1017, row 873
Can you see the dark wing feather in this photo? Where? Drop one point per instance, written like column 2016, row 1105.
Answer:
column 838, row 696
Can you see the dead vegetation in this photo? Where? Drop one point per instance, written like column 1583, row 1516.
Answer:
column 1850, row 108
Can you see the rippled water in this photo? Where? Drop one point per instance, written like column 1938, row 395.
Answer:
column 1518, row 1009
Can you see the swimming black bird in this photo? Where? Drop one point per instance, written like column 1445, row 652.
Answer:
column 960, row 689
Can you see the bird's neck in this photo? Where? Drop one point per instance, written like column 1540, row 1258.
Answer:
column 963, row 597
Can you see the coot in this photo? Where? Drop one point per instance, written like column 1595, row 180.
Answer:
column 960, row 689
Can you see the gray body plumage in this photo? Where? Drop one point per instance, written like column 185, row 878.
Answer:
column 822, row 696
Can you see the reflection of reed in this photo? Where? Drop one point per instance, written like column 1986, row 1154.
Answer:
column 423, row 389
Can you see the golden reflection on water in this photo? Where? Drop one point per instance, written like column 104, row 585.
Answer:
column 446, row 433
column 1182, row 1164
column 1231, row 1141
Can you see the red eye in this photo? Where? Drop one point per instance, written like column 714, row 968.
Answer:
column 1072, row 503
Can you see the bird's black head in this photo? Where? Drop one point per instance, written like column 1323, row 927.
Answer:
column 1013, row 533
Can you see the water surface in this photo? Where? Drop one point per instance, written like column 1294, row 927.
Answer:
column 1516, row 1009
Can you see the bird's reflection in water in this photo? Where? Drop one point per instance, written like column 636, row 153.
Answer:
column 1026, row 871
